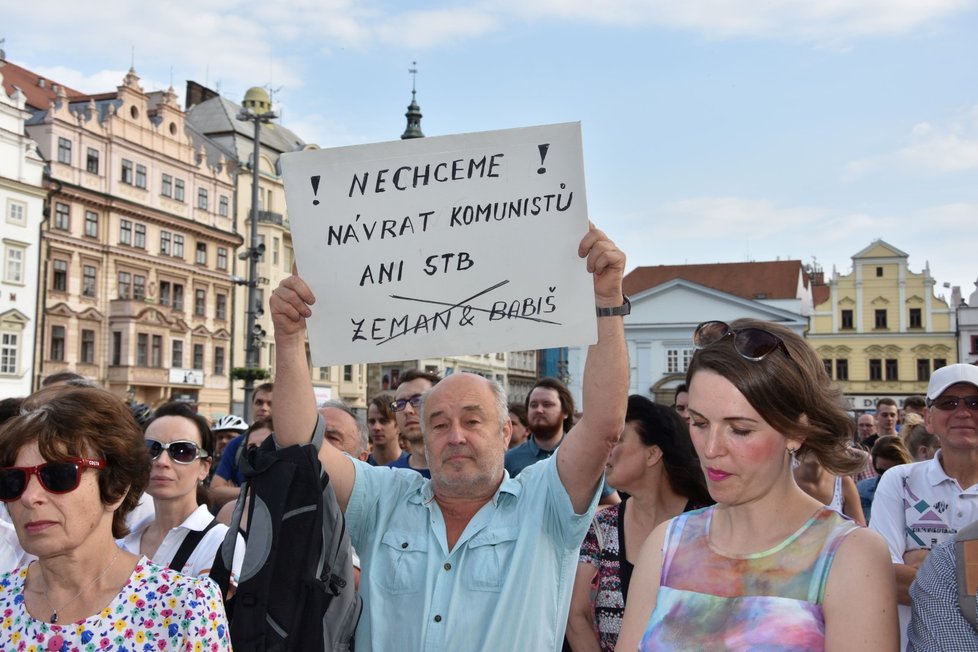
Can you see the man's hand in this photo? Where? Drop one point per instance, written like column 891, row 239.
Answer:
column 606, row 262
column 915, row 558
column 289, row 304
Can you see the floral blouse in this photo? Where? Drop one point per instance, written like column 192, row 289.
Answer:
column 157, row 609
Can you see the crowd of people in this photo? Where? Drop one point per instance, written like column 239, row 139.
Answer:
column 754, row 512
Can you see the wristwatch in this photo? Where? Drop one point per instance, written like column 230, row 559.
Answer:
column 618, row 311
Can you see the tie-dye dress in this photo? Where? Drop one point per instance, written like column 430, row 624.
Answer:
column 770, row 600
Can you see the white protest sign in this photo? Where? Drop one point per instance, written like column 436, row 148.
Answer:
column 440, row 246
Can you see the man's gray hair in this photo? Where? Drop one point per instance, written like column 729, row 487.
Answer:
column 363, row 439
column 498, row 395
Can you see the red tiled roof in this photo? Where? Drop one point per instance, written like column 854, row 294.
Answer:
column 773, row 279
column 38, row 96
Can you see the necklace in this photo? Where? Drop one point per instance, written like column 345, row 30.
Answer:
column 55, row 610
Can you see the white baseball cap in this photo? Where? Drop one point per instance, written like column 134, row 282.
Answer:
column 952, row 374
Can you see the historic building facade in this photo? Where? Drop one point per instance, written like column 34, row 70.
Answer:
column 882, row 331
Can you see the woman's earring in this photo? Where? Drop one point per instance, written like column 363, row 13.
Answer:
column 792, row 452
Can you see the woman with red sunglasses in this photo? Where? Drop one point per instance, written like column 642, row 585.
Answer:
column 72, row 466
column 768, row 567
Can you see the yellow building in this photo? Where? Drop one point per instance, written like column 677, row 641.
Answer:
column 882, row 331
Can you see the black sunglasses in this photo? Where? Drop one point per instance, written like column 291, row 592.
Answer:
column 181, row 452
column 55, row 477
column 949, row 403
column 751, row 343
column 402, row 403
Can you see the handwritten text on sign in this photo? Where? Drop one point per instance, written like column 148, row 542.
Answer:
column 443, row 246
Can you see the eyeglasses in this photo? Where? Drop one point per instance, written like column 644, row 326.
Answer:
column 181, row 452
column 751, row 343
column 949, row 403
column 55, row 477
column 402, row 403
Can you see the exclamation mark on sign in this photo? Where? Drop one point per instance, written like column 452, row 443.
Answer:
column 543, row 154
column 315, row 189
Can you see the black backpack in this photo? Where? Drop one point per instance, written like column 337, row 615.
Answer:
column 296, row 589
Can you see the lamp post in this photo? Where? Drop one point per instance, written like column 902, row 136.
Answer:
column 256, row 108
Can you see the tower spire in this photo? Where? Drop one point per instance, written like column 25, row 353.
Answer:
column 413, row 115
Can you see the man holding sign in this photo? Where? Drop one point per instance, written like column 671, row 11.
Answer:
column 471, row 559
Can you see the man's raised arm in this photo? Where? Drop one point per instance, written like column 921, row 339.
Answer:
column 584, row 452
column 295, row 402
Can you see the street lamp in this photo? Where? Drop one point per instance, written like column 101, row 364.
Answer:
column 257, row 108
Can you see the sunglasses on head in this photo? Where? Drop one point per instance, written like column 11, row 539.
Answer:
column 402, row 403
column 751, row 343
column 181, row 452
column 55, row 477
column 949, row 403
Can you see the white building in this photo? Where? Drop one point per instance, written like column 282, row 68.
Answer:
column 968, row 327
column 22, row 202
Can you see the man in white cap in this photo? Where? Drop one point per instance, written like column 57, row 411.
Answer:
column 919, row 506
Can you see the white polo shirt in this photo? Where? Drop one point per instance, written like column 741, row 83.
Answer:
column 919, row 506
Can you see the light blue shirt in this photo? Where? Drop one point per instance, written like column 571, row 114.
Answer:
column 506, row 585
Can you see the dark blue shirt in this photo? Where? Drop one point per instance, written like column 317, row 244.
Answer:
column 227, row 468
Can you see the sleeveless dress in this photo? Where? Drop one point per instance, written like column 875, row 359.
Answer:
column 770, row 600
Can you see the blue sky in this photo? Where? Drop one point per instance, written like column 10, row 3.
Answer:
column 714, row 130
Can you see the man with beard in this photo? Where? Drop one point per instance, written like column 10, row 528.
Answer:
column 470, row 559
column 549, row 410
column 414, row 383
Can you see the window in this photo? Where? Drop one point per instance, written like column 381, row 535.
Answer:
column 16, row 212
column 125, row 285
column 198, row 356
column 827, row 363
column 221, row 306
column 287, row 259
column 176, row 354
column 116, row 348
column 875, row 369
column 91, row 161
column 939, row 362
column 9, row 350
column 59, row 279
column 916, row 318
column 923, row 370
column 880, row 318
column 87, row 352
column 348, row 372
column 165, row 243
column 892, row 369
column 62, row 216
column 222, row 206
column 847, row 319
column 879, row 272
column 139, row 287
column 57, row 343
column 126, row 172
column 125, row 232
column 140, row 240
column 140, row 176
column 222, row 258
column 166, row 188
column 200, row 303
column 201, row 253
column 677, row 360
column 177, row 246
column 178, row 189
column 218, row 360
column 156, row 351
column 974, row 344
column 177, row 296
column 275, row 248
column 842, row 369
column 202, row 198
column 91, row 224
column 13, row 266
column 64, row 151
column 164, row 293
column 142, row 346
column 89, row 280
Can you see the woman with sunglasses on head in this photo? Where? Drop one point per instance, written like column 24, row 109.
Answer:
column 182, row 534
column 655, row 464
column 768, row 567
column 72, row 466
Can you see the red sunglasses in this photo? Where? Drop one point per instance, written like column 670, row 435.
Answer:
column 55, row 477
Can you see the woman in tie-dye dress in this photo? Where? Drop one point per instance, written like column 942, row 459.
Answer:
column 768, row 567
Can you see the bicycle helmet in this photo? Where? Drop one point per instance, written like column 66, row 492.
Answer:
column 230, row 422
column 141, row 413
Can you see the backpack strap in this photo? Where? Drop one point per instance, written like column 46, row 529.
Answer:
column 188, row 546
